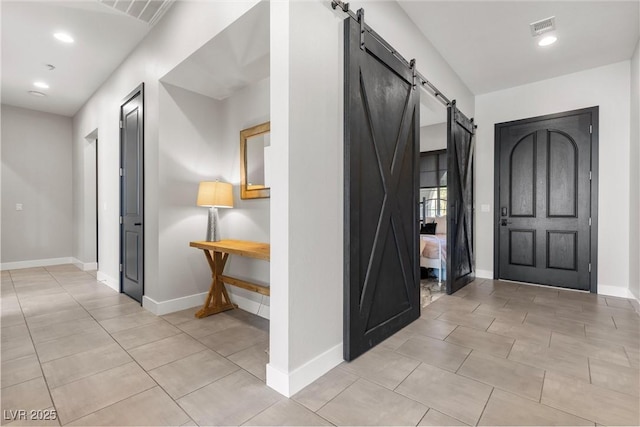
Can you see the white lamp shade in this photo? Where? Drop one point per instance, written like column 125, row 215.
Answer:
column 215, row 193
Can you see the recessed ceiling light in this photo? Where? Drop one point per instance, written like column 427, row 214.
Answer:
column 36, row 93
column 547, row 40
column 41, row 85
column 63, row 37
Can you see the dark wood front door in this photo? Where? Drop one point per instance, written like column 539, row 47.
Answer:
column 544, row 211
column 382, row 137
column 132, row 195
column 460, row 154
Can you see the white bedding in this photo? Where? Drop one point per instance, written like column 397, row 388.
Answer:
column 433, row 246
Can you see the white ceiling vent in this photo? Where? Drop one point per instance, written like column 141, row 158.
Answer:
column 149, row 11
column 543, row 26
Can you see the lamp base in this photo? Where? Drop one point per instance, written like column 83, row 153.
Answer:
column 213, row 229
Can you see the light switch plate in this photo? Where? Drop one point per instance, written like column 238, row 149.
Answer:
column 485, row 208
column 18, row 206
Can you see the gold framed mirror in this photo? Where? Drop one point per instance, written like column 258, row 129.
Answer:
column 255, row 143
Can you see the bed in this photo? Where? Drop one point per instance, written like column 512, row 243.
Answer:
column 433, row 247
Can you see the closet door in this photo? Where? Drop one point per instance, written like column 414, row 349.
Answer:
column 382, row 137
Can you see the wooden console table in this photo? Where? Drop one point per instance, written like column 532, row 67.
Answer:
column 217, row 254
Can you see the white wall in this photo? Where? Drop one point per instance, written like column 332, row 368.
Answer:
column 185, row 28
column 433, row 137
column 634, row 162
column 307, row 196
column 199, row 141
column 190, row 131
column 606, row 87
column 249, row 219
column 36, row 172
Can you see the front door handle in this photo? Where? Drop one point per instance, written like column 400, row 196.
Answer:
column 504, row 222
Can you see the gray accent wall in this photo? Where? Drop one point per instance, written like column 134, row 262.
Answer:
column 36, row 172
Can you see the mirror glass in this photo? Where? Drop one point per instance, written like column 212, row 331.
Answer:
column 255, row 146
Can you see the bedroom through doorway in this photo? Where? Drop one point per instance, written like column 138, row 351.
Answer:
column 432, row 202
column 433, row 225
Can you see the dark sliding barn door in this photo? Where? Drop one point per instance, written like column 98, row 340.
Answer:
column 382, row 137
column 460, row 152
column 132, row 195
column 544, row 216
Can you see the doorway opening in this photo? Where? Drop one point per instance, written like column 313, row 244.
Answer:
column 433, row 217
column 97, row 206
column 91, row 221
column 432, row 200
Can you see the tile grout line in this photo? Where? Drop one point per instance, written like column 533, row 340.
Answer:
column 465, row 359
column 110, row 405
column 562, row 410
column 154, row 380
column 511, row 348
column 262, row 411
column 544, row 377
column 345, row 389
column 132, row 358
column 44, row 378
column 487, row 329
column 485, row 405
column 200, row 388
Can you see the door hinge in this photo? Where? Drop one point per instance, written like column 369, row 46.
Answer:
column 120, row 219
column 589, row 267
column 121, row 268
column 121, row 124
column 590, row 128
column 121, row 172
column 589, row 221
column 590, row 175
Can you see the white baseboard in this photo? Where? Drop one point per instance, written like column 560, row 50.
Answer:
column 291, row 383
column 160, row 308
column 169, row 306
column 484, row 274
column 84, row 266
column 35, row 263
column 108, row 280
column 249, row 305
column 615, row 291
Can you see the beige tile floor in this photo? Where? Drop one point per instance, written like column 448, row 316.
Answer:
column 495, row 353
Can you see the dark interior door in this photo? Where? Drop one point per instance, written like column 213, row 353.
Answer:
column 132, row 195
column 460, row 152
column 545, row 199
column 382, row 136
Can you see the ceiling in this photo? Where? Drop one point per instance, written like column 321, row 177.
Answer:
column 490, row 46
column 104, row 36
column 233, row 59
column 487, row 43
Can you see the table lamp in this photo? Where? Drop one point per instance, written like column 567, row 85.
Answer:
column 214, row 195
